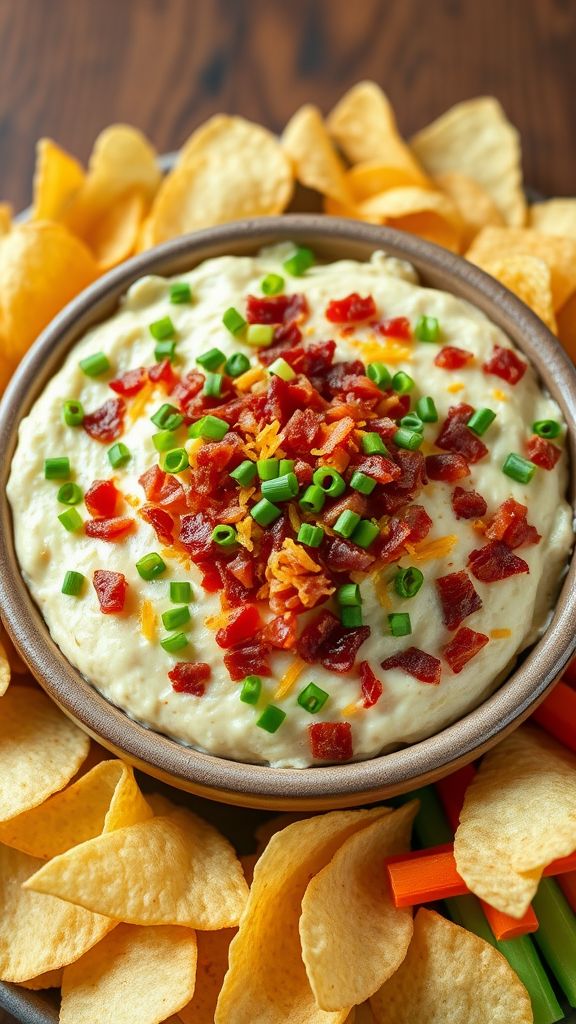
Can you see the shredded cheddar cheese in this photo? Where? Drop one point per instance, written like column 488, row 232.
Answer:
column 179, row 556
column 381, row 588
column 148, row 620
column 266, row 442
column 388, row 351
column 244, row 533
column 499, row 395
column 427, row 550
column 350, row 709
column 246, row 380
column 193, row 448
column 292, row 673
column 217, row 621
column 334, row 435
column 295, row 521
column 132, row 500
column 455, row 387
column 244, row 495
column 500, row 634
column 138, row 406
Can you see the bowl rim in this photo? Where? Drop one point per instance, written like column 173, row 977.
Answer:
column 261, row 785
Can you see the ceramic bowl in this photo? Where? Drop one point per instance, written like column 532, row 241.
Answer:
column 255, row 785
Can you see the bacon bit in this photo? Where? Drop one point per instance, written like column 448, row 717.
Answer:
column 510, row 524
column 455, row 436
column 301, row 432
column 506, row 364
column 109, row 529
column 242, row 625
column 396, row 327
column 448, row 467
column 161, row 521
column 378, row 352
column 292, row 673
column 162, row 373
column 293, row 574
column 244, row 533
column 500, row 634
column 325, row 640
column 138, row 406
column 495, row 562
column 247, row 380
column 351, row 310
column 101, row 498
column 372, row 688
column 106, row 423
column 339, row 460
column 457, row 597
column 342, row 555
column 331, row 741
column 428, row 550
column 196, row 534
column 190, row 677
column 281, row 631
column 452, row 358
column 500, row 396
column 419, row 522
column 148, row 620
column 110, row 589
column 416, row 663
column 129, row 383
column 383, row 470
column 542, row 453
column 336, row 434
column 468, row 504
column 464, row 646
column 454, row 388
column 249, row 658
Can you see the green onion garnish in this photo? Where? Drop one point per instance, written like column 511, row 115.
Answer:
column 272, row 284
column 167, row 417
column 165, row 350
column 224, row 536
column 346, row 523
column 73, row 413
column 412, row 422
column 349, row 594
column 57, row 469
column 162, row 329
column 237, row 364
column 180, row 292
column 264, row 512
column 299, row 262
column 211, row 428
column 518, row 468
column 119, row 455
column 180, row 593
column 481, row 420
column 175, row 461
column 380, row 374
column 213, row 385
column 365, row 533
column 280, row 368
column 312, row 698
column 150, row 566
column 73, row 583
column 409, row 439
column 271, row 718
column 71, row 520
column 330, row 481
column 282, row 488
column 402, row 382
column 251, row 688
column 233, row 321
column 351, row 617
column 268, row 469
column 427, row 328
column 259, row 335
column 399, row 623
column 426, row 410
column 407, row 582
column 164, row 440
column 285, row 466
column 245, row 473
column 69, row 494
column 372, row 444
column 94, row 365
column 174, row 617
column 362, row 482
column 174, row 642
column 211, row 360
column 547, row 428
column 311, row 536
column 313, row 499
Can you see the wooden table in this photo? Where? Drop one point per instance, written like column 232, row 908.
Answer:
column 69, row 67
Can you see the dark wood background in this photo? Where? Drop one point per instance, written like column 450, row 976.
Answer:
column 69, row 67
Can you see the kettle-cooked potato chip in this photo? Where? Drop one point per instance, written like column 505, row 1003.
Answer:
column 554, row 217
column 210, row 970
column 567, row 326
column 17, row 666
column 50, row 979
column 58, row 177
column 420, row 211
column 4, row 670
column 114, row 236
column 530, row 279
column 475, row 206
column 558, row 253
column 370, row 179
column 451, row 976
column 134, row 974
column 316, row 162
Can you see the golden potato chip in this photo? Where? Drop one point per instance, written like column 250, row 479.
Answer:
column 50, row 979
column 316, row 162
column 519, row 814
column 558, row 253
column 42, row 267
column 266, row 968
column 58, row 177
column 476, row 138
column 229, row 168
column 554, row 217
column 353, row 936
column 5, row 218
column 567, row 326
column 168, row 870
column 40, row 750
column 476, row 207
column 104, row 799
column 134, row 974
column 15, row 661
column 530, row 279
column 370, row 179
column 335, row 209
column 4, row 670
column 364, row 126
column 39, row 933
column 114, row 236
column 263, row 834
column 451, row 976
column 210, row 970
column 420, row 211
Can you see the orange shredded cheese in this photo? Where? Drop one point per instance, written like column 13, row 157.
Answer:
column 427, row 550
column 335, row 435
column 295, row 521
column 455, row 387
column 148, row 620
column 266, row 442
column 381, row 588
column 244, row 495
column 479, row 525
column 179, row 556
column 246, row 380
column 292, row 569
column 140, row 402
column 350, row 709
column 292, row 673
column 132, row 500
column 244, row 533
column 388, row 351
column 499, row 395
column 339, row 460
column 193, row 448
column 217, row 621
column 500, row 634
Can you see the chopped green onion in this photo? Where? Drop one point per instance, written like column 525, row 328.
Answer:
column 426, row 409
column 280, row 368
column 330, row 481
column 165, row 350
column 362, row 482
column 409, row 439
column 233, row 321
column 480, row 420
column 285, row 466
column 245, row 473
column 268, row 469
column 407, row 582
column 224, row 536
column 73, row 583
column 346, row 523
column 162, row 329
column 349, row 594
column 69, row 494
column 119, row 455
column 57, row 469
column 547, row 428
column 95, row 365
column 251, row 689
column 213, row 385
column 365, row 533
column 402, row 382
column 237, row 364
column 164, row 440
column 271, row 718
column 299, row 262
column 211, row 428
column 399, row 623
column 167, row 417
column 175, row 461
column 380, row 374
column 73, row 413
column 313, row 499
column 211, row 360
column 264, row 512
column 412, row 422
column 175, row 642
column 351, row 618
column 311, row 536
column 312, row 698
column 372, row 444
column 282, row 488
column 272, row 284
column 180, row 292
column 150, row 566
column 71, row 520
column 180, row 593
column 427, row 328
column 259, row 335
column 518, row 468
column 174, row 617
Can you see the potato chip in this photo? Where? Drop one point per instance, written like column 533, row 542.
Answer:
column 266, row 968
column 40, row 750
column 353, row 937
column 364, row 126
column 451, row 976
column 58, row 177
column 476, row 139
column 519, row 814
column 370, row 179
column 567, row 326
column 5, row 218
column 476, row 207
column 335, row 209
column 420, row 211
column 4, row 670
column 39, row 933
column 14, row 660
column 554, row 217
column 210, row 970
column 114, row 236
column 134, row 974
column 316, row 162
column 104, row 799
column 168, row 870
column 530, row 279
column 229, row 168
column 558, row 253
column 50, row 979
column 263, row 834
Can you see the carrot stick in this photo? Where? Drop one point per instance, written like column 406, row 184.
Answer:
column 557, row 715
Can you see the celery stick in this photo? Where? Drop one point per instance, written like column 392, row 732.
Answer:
column 556, row 936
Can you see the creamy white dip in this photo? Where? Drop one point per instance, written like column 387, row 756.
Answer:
column 131, row 671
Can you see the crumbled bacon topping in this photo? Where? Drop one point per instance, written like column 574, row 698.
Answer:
column 106, row 423
column 190, row 677
column 464, row 646
column 510, row 524
column 457, row 597
column 110, row 590
column 452, row 358
column 455, row 436
column 416, row 663
column 352, row 310
column 542, row 452
column 504, row 363
column 495, row 561
column 468, row 504
column 331, row 741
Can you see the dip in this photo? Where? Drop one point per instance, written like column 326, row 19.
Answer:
column 293, row 514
